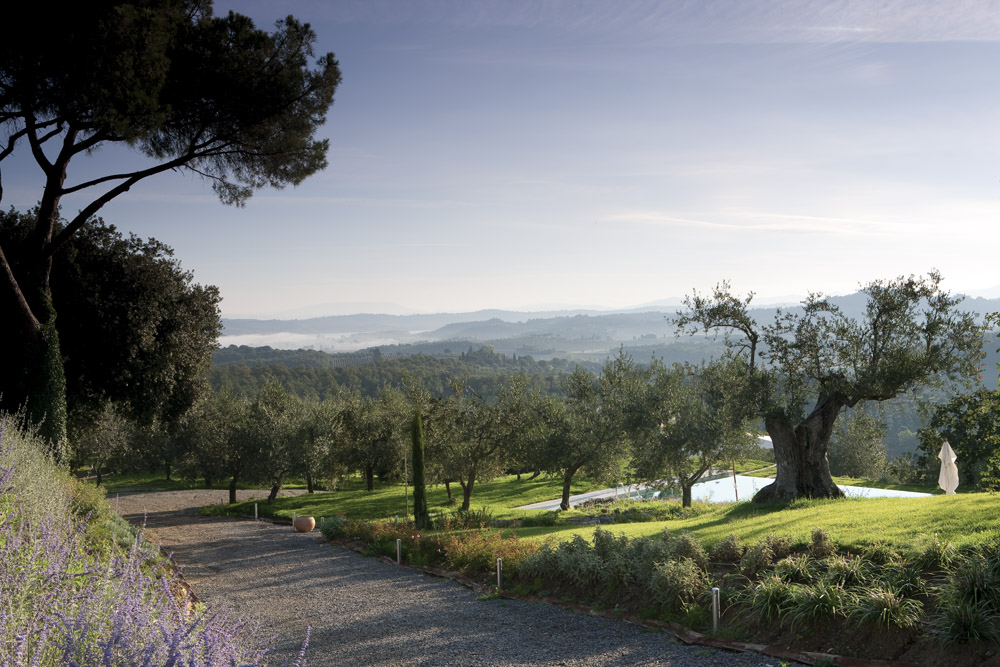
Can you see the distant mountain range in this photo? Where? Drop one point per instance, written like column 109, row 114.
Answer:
column 538, row 333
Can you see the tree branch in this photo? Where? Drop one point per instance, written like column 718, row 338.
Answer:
column 29, row 322
column 81, row 218
column 36, row 145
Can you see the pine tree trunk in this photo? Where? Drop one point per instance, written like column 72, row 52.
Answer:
column 447, row 488
column 370, row 478
column 309, row 483
column 800, row 452
column 685, row 495
column 44, row 384
column 232, row 489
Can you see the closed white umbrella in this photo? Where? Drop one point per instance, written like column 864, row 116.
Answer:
column 948, row 478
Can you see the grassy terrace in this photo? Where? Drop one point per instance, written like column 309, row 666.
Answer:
column 909, row 524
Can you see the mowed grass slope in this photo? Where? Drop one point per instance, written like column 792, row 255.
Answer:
column 352, row 500
column 908, row 524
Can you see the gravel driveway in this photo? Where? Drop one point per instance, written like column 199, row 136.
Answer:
column 366, row 612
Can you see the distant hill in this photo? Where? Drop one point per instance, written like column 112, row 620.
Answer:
column 543, row 334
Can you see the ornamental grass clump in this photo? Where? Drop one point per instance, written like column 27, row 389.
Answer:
column 769, row 598
column 818, row 602
column 885, row 607
column 939, row 555
column 969, row 609
column 800, row 569
column 848, row 571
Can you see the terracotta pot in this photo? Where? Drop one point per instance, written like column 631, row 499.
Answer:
column 304, row 524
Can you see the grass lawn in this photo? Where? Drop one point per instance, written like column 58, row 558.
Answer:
column 909, row 524
column 351, row 499
column 155, row 481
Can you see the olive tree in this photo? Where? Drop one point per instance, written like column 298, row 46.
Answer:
column 816, row 361
column 472, row 434
column 586, row 429
column 692, row 419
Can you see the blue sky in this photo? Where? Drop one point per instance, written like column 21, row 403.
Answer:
column 530, row 154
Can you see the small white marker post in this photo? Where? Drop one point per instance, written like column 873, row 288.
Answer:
column 399, row 551
column 715, row 610
column 499, row 573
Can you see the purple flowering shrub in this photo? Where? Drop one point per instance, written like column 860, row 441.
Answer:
column 60, row 605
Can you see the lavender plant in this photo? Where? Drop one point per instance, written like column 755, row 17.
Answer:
column 61, row 605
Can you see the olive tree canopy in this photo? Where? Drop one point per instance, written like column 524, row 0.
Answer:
column 816, row 361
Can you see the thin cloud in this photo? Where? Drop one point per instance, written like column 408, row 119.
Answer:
column 747, row 221
column 700, row 21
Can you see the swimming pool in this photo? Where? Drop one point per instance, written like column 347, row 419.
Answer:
column 725, row 491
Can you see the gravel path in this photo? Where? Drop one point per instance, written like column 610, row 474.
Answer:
column 366, row 612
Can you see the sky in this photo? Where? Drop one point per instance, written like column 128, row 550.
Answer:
column 531, row 155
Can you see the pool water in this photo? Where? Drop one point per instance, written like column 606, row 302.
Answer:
column 725, row 491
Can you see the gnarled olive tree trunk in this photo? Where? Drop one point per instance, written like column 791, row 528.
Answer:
column 800, row 452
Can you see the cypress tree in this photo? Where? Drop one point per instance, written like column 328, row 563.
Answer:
column 421, row 516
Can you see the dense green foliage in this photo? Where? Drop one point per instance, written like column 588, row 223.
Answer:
column 421, row 515
column 857, row 447
column 135, row 329
column 320, row 375
column 971, row 425
column 187, row 90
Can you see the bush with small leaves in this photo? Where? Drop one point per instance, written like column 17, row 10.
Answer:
column 822, row 546
column 540, row 567
column 675, row 582
column 728, row 550
column 780, row 545
column 542, row 519
column 756, row 559
column 683, row 546
column 471, row 518
column 333, row 527
column 64, row 603
column 607, row 544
